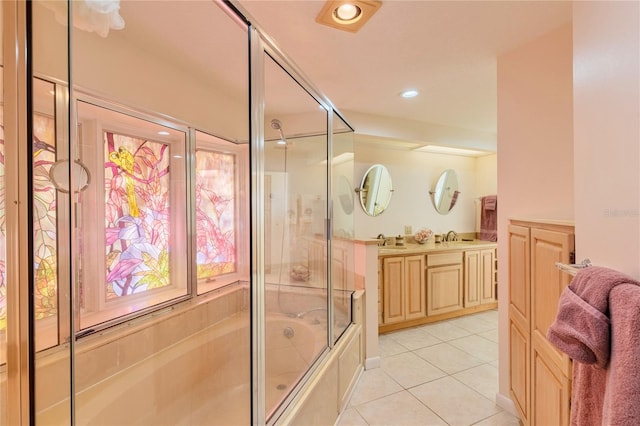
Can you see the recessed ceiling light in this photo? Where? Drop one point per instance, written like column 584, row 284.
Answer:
column 347, row 15
column 451, row 150
column 163, row 133
column 412, row 93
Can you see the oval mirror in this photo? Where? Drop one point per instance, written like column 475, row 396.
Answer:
column 446, row 193
column 375, row 190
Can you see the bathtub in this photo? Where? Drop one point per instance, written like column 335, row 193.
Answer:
column 203, row 378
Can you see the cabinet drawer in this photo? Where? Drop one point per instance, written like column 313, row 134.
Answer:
column 444, row 259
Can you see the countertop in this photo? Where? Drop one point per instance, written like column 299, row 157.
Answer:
column 432, row 247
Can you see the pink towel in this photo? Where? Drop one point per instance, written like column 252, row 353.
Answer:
column 489, row 218
column 597, row 325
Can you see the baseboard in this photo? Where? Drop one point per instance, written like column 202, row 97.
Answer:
column 506, row 403
column 373, row 362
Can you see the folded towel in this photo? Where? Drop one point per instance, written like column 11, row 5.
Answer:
column 490, row 202
column 489, row 218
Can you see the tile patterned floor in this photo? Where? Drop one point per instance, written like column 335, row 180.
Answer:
column 444, row 373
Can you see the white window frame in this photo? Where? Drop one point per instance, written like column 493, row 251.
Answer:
column 97, row 309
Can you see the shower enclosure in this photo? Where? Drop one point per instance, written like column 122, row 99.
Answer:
column 178, row 257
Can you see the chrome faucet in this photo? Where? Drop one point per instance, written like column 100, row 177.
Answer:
column 451, row 236
column 384, row 240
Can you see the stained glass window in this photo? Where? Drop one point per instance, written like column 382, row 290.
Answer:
column 137, row 214
column 44, row 218
column 215, row 213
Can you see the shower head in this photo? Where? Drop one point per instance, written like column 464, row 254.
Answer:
column 277, row 125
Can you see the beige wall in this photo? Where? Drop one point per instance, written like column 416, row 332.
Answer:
column 535, row 147
column 414, row 174
column 607, row 133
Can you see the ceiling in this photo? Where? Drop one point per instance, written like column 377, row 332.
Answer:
column 445, row 49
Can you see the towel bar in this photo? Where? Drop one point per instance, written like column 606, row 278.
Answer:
column 573, row 268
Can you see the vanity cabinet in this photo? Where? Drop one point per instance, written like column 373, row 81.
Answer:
column 418, row 285
column 539, row 374
column 403, row 288
column 479, row 274
column 444, row 283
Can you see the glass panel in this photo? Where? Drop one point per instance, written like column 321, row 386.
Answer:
column 295, row 238
column 147, row 348
column 51, row 212
column 342, row 247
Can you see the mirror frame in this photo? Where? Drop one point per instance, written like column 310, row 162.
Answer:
column 376, row 181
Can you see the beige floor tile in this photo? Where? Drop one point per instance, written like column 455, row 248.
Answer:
column 501, row 419
column 490, row 335
column 474, row 324
column 373, row 384
column 389, row 347
column 398, row 409
column 477, row 346
column 448, row 358
column 454, row 402
column 351, row 417
column 415, row 339
column 483, row 379
column 446, row 330
column 410, row 370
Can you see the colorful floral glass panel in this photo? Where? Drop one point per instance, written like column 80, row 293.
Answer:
column 137, row 215
column 215, row 213
column 44, row 218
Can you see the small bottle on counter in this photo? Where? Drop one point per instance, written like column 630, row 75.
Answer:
column 399, row 240
column 438, row 238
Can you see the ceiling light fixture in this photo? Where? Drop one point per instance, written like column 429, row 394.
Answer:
column 347, row 15
column 411, row 93
column 451, row 150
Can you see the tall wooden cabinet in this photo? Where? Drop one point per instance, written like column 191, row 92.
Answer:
column 540, row 376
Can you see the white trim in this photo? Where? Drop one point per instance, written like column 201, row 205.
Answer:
column 373, row 362
column 506, row 403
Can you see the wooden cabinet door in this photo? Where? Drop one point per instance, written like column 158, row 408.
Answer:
column 547, row 282
column 550, row 389
column 444, row 289
column 393, row 290
column 415, row 289
column 519, row 380
column 487, row 273
column 472, row 277
column 519, row 276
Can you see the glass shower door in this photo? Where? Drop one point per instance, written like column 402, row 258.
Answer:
column 296, row 247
